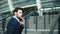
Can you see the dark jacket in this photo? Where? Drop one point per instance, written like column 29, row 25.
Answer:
column 14, row 27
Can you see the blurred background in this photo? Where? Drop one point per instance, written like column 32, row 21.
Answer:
column 40, row 15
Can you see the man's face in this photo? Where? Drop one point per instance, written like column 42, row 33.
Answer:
column 19, row 13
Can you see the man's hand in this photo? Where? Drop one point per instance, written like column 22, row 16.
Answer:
column 22, row 22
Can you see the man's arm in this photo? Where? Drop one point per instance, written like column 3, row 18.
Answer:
column 21, row 28
column 22, row 25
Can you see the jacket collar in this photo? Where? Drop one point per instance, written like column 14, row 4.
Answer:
column 16, row 18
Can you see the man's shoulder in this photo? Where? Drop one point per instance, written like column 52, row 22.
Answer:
column 12, row 20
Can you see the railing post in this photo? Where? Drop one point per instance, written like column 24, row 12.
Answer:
column 44, row 21
column 35, row 21
column 49, row 18
column 26, row 24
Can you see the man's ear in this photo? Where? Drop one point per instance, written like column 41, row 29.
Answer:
column 15, row 13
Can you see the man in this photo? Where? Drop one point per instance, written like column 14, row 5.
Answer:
column 16, row 23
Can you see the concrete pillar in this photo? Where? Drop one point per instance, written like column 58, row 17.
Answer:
column 10, row 3
column 38, row 2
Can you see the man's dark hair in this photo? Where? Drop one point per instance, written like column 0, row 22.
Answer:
column 16, row 9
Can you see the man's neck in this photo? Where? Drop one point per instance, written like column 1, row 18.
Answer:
column 16, row 18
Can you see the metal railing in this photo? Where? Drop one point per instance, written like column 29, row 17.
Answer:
column 51, row 30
